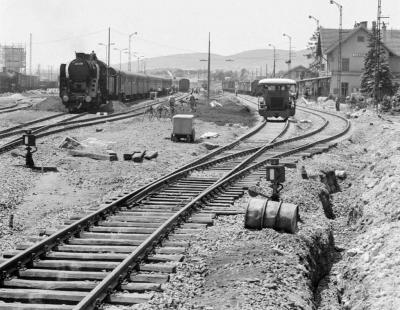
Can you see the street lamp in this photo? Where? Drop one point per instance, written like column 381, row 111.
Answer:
column 120, row 54
column 106, row 46
column 339, row 73
column 129, row 50
column 289, row 62
column 138, row 62
column 316, row 19
column 274, row 57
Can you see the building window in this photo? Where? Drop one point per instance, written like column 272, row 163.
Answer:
column 323, row 67
column 360, row 39
column 345, row 89
column 345, row 64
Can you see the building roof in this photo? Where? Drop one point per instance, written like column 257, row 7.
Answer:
column 276, row 81
column 299, row 67
column 330, row 38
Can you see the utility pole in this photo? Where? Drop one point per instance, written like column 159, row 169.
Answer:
column 339, row 73
column 129, row 60
column 208, row 73
column 273, row 72
column 377, row 89
column 30, row 59
column 266, row 70
column 289, row 62
column 108, row 59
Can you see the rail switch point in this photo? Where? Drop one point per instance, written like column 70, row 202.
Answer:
column 183, row 128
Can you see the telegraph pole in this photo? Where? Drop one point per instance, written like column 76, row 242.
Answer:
column 273, row 70
column 30, row 60
column 377, row 89
column 108, row 58
column 208, row 73
column 339, row 73
column 129, row 62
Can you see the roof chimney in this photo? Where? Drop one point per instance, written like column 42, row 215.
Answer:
column 363, row 24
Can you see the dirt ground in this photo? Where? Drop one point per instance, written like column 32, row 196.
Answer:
column 347, row 260
column 40, row 201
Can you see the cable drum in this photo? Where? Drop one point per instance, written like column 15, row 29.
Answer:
column 266, row 213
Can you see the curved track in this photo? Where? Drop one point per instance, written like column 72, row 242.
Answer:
column 134, row 242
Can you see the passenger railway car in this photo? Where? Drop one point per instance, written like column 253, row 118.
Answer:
column 244, row 87
column 229, row 85
column 87, row 83
column 184, row 85
column 278, row 98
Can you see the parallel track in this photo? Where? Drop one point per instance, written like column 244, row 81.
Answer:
column 81, row 265
column 70, row 123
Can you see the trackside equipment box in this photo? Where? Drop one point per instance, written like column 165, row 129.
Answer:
column 182, row 127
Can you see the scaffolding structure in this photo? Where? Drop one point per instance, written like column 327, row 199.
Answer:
column 13, row 58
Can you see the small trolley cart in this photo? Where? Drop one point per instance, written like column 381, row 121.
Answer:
column 182, row 128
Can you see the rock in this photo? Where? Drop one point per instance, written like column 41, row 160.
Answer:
column 69, row 143
column 341, row 174
column 366, row 257
column 353, row 252
column 151, row 155
column 210, row 146
column 99, row 129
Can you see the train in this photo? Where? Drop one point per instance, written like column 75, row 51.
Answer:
column 277, row 98
column 184, row 85
column 86, row 83
column 241, row 87
column 11, row 81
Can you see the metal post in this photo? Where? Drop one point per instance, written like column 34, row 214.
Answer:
column 208, row 75
column 339, row 77
column 290, row 50
column 377, row 91
column 30, row 59
column 129, row 61
column 339, row 73
column 108, row 59
column 273, row 71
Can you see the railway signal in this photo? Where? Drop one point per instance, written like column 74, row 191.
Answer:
column 30, row 142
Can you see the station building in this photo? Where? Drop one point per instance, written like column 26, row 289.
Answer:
column 354, row 49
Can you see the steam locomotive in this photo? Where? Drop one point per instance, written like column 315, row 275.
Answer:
column 86, row 83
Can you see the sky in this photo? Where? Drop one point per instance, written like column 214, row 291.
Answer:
column 61, row 27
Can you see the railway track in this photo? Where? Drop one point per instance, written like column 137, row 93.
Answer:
column 71, row 123
column 133, row 242
column 7, row 110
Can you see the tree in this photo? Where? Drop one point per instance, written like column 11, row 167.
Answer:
column 315, row 51
column 373, row 81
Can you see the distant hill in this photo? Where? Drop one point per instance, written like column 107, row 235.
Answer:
column 248, row 59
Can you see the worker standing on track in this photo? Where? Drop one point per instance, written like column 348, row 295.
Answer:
column 192, row 103
column 171, row 101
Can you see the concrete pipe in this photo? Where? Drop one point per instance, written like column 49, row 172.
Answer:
column 265, row 213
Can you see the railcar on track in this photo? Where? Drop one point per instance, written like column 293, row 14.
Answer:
column 184, row 85
column 277, row 98
column 86, row 83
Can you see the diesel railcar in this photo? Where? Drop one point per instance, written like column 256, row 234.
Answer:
column 184, row 85
column 87, row 83
column 277, row 98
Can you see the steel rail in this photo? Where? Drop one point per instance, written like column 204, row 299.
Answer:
column 113, row 279
column 15, row 109
column 38, row 249
column 10, row 107
column 77, row 124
